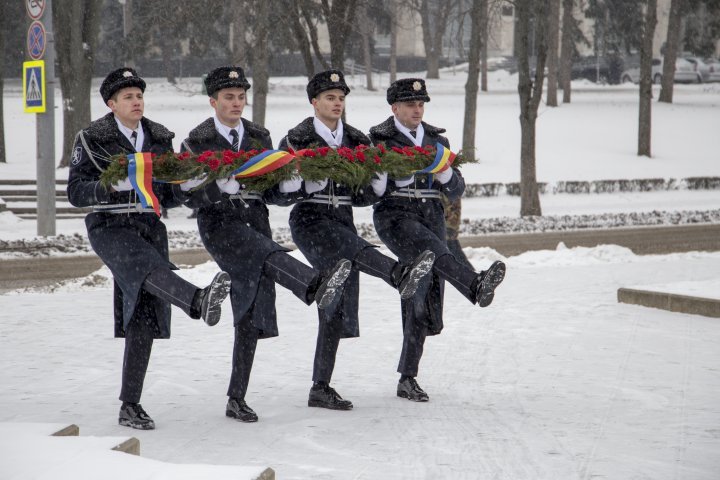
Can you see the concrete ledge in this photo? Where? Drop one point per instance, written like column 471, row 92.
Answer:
column 69, row 431
column 131, row 446
column 670, row 301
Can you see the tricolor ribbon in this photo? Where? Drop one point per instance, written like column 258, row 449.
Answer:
column 263, row 163
column 443, row 159
column 140, row 175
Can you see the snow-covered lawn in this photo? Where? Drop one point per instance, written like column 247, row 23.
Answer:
column 555, row 380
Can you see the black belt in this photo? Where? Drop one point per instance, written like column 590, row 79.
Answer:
column 122, row 208
column 416, row 193
column 334, row 200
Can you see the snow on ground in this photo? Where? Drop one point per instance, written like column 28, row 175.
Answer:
column 555, row 380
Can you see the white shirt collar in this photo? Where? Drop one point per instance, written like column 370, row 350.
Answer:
column 138, row 143
column 224, row 130
column 321, row 129
column 419, row 132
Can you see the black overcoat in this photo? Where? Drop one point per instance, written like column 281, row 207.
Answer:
column 131, row 245
column 410, row 226
column 326, row 234
column 236, row 232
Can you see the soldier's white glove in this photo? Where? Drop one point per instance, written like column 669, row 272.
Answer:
column 228, row 185
column 290, row 186
column 122, row 185
column 404, row 182
column 444, row 176
column 379, row 183
column 192, row 183
column 312, row 187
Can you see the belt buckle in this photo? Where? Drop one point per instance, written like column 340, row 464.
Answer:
column 417, row 193
column 335, row 201
column 139, row 207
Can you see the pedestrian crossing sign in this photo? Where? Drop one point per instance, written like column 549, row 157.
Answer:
column 34, row 86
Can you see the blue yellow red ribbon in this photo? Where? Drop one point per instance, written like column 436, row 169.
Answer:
column 140, row 175
column 262, row 163
column 443, row 159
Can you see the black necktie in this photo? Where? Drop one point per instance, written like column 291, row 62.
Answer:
column 413, row 133
column 235, row 139
column 134, row 139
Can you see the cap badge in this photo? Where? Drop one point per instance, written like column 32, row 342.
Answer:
column 334, row 77
column 127, row 73
column 417, row 86
column 233, row 74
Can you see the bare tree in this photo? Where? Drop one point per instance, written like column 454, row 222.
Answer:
column 484, row 39
column 530, row 95
column 366, row 31
column 338, row 17
column 671, row 48
column 645, row 114
column 3, row 27
column 552, row 60
column 76, row 32
column 478, row 17
column 393, row 39
column 261, row 59
column 566, row 49
column 434, row 19
column 300, row 18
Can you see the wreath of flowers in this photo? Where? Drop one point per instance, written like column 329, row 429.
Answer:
column 354, row 167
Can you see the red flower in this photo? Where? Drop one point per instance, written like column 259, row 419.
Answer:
column 309, row 153
column 203, row 157
column 252, row 153
column 360, row 156
column 361, row 147
column 381, row 147
column 376, row 159
column 228, row 157
column 183, row 156
column 214, row 164
column 346, row 153
column 408, row 151
column 421, row 150
column 324, row 151
column 397, row 149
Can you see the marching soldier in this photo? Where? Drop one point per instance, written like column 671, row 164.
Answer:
column 322, row 227
column 132, row 240
column 235, row 229
column 410, row 219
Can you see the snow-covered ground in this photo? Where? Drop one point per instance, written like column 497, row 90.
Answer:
column 555, row 380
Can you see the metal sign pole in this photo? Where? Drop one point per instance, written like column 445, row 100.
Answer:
column 45, row 136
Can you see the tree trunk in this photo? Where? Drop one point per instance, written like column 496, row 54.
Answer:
column 484, row 38
column 671, row 48
column 479, row 7
column 128, row 43
column 291, row 17
column 338, row 18
column 312, row 29
column 434, row 24
column 3, row 26
column 566, row 50
column 530, row 94
column 76, row 33
column 393, row 39
column 366, row 29
column 261, row 61
column 552, row 60
column 645, row 114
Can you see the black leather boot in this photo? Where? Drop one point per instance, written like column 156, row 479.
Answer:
column 132, row 415
column 488, row 281
column 239, row 410
column 409, row 388
column 329, row 293
column 324, row 396
column 414, row 278
column 208, row 300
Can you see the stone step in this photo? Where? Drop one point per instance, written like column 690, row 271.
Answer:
column 709, row 307
column 32, row 450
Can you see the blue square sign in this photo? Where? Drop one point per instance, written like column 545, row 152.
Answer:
column 34, row 86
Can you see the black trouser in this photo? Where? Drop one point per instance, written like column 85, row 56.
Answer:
column 246, row 337
column 139, row 336
column 291, row 273
column 171, row 287
column 370, row 261
column 459, row 274
column 414, row 333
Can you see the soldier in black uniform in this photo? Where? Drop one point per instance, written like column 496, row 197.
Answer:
column 322, row 227
column 132, row 240
column 235, row 228
column 410, row 219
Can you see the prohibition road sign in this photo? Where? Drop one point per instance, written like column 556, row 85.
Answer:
column 35, row 8
column 36, row 40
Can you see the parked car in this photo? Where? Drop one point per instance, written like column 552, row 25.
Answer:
column 605, row 69
column 701, row 67
column 633, row 74
column 685, row 72
column 713, row 69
